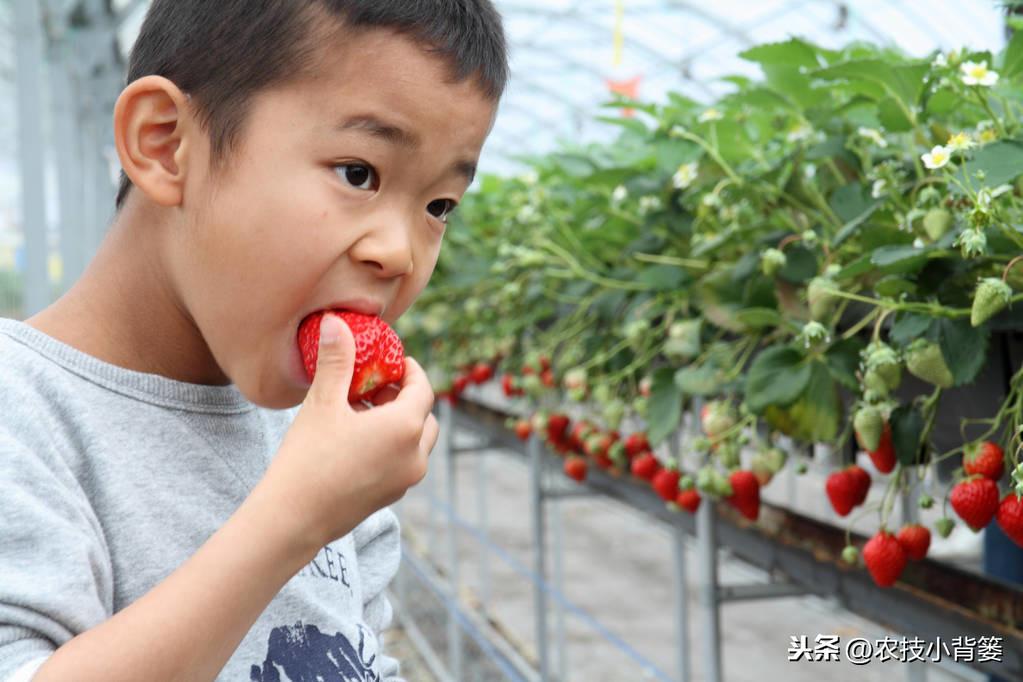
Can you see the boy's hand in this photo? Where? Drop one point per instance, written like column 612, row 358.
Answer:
column 339, row 463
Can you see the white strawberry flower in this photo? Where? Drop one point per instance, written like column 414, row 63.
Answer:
column 919, row 243
column 684, row 176
column 711, row 114
column 940, row 61
column 936, row 158
column 879, row 189
column 649, row 204
column 974, row 73
column 800, row 132
column 710, row 199
column 873, row 135
column 619, row 195
column 959, row 142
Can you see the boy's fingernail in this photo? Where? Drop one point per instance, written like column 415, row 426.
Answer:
column 330, row 329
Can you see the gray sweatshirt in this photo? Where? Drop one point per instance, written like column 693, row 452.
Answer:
column 110, row 479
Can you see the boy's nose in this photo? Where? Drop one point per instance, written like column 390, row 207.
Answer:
column 386, row 245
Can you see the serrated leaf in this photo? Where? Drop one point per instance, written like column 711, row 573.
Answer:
column 843, row 359
column 907, row 426
column 703, row 380
column 908, row 327
column 1001, row 162
column 792, row 52
column 816, row 415
column 665, row 406
column 964, row 348
column 778, row 376
column 664, row 277
column 1012, row 57
column 759, row 318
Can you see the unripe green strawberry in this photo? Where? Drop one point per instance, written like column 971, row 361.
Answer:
column 728, row 452
column 883, row 361
column 683, row 340
column 705, row 481
column 775, row 458
column 761, row 469
column 937, row 222
column 850, row 554
column 716, row 417
column 925, row 361
column 722, row 484
column 991, row 297
column 875, row 388
column 944, row 526
column 635, row 330
column 686, row 482
column 602, row 394
column 771, row 261
column 925, row 501
column 575, row 378
column 532, row 385
column 869, row 425
column 820, row 297
column 577, row 394
column 640, row 406
column 613, row 413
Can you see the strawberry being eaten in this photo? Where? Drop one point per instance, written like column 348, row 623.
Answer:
column 379, row 354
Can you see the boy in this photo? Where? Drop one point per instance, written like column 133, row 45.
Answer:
column 166, row 511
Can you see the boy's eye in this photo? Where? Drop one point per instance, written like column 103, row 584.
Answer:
column 360, row 176
column 441, row 208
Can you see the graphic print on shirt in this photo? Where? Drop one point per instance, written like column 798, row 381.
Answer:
column 305, row 654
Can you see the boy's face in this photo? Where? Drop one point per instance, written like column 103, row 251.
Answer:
column 337, row 192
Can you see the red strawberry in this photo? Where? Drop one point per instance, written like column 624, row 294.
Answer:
column 523, row 429
column 636, row 443
column 547, row 377
column 986, row 459
column 459, row 385
column 843, row 488
column 745, row 493
column 556, row 426
column 645, row 466
column 1010, row 517
column 508, row 386
column 862, row 479
column 915, row 539
column 975, row 501
column 665, row 483
column 481, row 373
column 575, row 468
column 884, row 457
column 545, row 363
column 688, row 500
column 885, row 558
column 379, row 355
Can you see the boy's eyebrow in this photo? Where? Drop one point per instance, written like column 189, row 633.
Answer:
column 400, row 137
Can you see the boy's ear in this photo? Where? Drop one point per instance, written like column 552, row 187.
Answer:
column 153, row 129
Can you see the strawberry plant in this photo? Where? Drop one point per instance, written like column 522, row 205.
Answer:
column 827, row 256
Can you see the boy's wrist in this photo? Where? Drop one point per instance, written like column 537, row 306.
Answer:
column 278, row 522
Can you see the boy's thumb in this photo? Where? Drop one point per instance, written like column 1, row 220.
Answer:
column 335, row 360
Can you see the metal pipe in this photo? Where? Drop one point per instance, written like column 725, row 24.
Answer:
column 706, row 535
column 28, row 29
column 681, row 589
column 483, row 517
column 539, row 543
column 559, row 585
column 454, row 633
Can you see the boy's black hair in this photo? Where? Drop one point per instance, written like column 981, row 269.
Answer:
column 222, row 52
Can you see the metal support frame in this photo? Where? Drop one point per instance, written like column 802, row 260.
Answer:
column 455, row 649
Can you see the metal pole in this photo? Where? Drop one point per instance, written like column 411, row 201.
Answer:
column 916, row 671
column 539, row 541
column 443, row 445
column 559, row 585
column 69, row 169
column 28, row 30
column 454, row 633
column 481, row 512
column 681, row 592
column 707, row 553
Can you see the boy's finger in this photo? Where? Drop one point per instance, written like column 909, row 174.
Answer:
column 430, row 433
column 416, row 391
column 385, row 395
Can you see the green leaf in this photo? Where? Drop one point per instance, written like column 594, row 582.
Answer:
column 904, row 82
column 893, row 259
column 703, row 380
column 778, row 377
column 908, row 327
column 892, row 117
column 664, row 277
column 800, row 265
column 816, row 415
column 759, row 318
column 964, row 348
column 1012, row 57
column 793, row 52
column 894, row 286
column 1000, row 161
column 850, row 201
column 665, row 406
column 907, row 428
column 843, row 359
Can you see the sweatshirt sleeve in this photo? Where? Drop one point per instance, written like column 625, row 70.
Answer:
column 378, row 552
column 55, row 570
